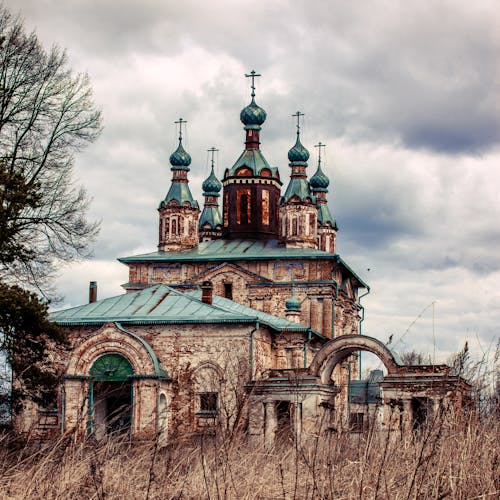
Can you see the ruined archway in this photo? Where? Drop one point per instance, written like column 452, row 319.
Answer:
column 335, row 351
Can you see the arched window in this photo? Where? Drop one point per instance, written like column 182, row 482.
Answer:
column 243, row 207
column 174, row 227
column 294, row 226
column 265, row 207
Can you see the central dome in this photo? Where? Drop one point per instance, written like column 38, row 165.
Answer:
column 253, row 114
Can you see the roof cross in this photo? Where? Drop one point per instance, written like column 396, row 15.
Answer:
column 212, row 150
column 298, row 114
column 180, row 121
column 319, row 146
column 252, row 75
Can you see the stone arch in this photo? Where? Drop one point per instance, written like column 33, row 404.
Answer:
column 207, row 375
column 112, row 338
column 333, row 352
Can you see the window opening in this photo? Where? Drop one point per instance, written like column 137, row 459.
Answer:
column 208, row 403
column 228, row 291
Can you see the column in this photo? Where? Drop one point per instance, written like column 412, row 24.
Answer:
column 270, row 424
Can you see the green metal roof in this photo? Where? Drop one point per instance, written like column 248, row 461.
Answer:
column 161, row 304
column 254, row 160
column 180, row 192
column 240, row 249
column 212, row 216
column 300, row 189
column 324, row 216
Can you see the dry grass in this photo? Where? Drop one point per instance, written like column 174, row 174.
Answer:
column 438, row 463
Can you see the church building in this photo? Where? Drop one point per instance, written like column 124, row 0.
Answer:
column 245, row 316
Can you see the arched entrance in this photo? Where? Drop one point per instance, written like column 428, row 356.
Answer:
column 110, row 396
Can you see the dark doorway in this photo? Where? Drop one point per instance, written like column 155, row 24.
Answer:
column 112, row 407
column 421, row 411
column 283, row 420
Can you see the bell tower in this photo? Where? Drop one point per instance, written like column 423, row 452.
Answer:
column 251, row 186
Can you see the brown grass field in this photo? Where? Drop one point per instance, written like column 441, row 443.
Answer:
column 440, row 462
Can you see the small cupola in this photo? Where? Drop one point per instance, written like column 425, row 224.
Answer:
column 327, row 225
column 210, row 221
column 292, row 308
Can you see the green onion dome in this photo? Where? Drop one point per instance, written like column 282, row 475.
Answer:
column 211, row 184
column 179, row 158
column 319, row 180
column 298, row 154
column 253, row 115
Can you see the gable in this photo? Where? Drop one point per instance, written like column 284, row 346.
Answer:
column 228, row 269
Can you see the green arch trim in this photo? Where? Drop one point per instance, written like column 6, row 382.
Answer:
column 111, row 367
column 159, row 371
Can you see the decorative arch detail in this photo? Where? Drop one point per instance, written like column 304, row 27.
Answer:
column 335, row 351
column 113, row 338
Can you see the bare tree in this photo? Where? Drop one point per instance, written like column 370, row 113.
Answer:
column 46, row 115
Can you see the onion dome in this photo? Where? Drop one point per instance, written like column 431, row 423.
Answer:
column 298, row 154
column 253, row 115
column 293, row 303
column 180, row 159
column 211, row 185
column 319, row 180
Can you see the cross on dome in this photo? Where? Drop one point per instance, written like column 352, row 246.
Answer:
column 180, row 121
column 212, row 150
column 298, row 114
column 319, row 146
column 252, row 75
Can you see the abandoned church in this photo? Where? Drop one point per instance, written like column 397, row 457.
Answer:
column 245, row 315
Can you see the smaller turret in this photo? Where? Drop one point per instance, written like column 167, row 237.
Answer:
column 298, row 210
column 210, row 222
column 327, row 226
column 178, row 211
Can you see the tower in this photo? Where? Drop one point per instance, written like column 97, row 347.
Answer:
column 327, row 225
column 210, row 223
column 251, row 185
column 298, row 211
column 178, row 229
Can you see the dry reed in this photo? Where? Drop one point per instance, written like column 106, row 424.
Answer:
column 440, row 462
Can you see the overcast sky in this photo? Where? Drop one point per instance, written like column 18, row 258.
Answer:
column 404, row 94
